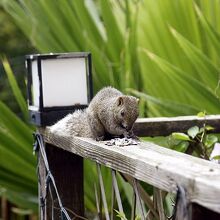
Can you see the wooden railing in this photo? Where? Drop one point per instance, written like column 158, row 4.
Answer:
column 163, row 168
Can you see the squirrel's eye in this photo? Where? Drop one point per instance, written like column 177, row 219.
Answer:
column 122, row 113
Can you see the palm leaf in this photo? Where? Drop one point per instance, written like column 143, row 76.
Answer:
column 15, row 163
column 213, row 35
column 188, row 84
column 168, row 108
column 16, row 91
column 11, row 143
column 23, row 200
column 14, row 125
column 205, row 68
column 12, row 181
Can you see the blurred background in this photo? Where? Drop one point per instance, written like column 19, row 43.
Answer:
column 164, row 52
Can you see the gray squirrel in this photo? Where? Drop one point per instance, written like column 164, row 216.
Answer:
column 109, row 114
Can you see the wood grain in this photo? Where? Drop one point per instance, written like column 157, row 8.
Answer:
column 165, row 126
column 158, row 166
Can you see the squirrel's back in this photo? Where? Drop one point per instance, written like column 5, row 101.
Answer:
column 75, row 124
column 105, row 95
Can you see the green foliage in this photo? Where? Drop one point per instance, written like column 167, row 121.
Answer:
column 216, row 157
column 123, row 217
column 180, row 136
column 144, row 45
column 76, row 26
column 193, row 131
column 120, row 215
column 18, row 166
column 16, row 91
column 12, row 41
column 201, row 114
column 197, row 141
column 185, row 63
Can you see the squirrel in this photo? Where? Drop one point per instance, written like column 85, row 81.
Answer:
column 109, row 114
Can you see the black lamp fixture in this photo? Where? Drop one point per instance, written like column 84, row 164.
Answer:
column 57, row 85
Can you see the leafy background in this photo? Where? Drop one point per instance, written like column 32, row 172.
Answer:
column 166, row 52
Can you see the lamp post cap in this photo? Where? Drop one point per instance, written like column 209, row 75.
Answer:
column 57, row 55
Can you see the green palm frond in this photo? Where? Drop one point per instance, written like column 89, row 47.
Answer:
column 18, row 180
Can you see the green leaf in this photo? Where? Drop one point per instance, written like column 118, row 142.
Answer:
column 189, row 85
column 14, row 181
column 16, row 164
column 217, row 157
column 14, row 125
column 213, row 35
column 181, row 147
column 21, row 212
column 120, row 215
column 210, row 140
column 180, row 136
column 171, row 107
column 201, row 130
column 207, row 70
column 90, row 26
column 193, row 131
column 201, row 114
column 11, row 144
column 115, row 41
column 138, row 217
column 23, row 200
column 209, row 128
column 16, row 91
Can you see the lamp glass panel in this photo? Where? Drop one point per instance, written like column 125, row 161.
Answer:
column 35, row 85
column 64, row 82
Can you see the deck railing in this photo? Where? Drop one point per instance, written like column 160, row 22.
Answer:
column 197, row 180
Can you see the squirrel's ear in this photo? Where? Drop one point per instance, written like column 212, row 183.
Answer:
column 120, row 101
column 138, row 100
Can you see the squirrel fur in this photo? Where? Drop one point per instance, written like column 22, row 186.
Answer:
column 109, row 114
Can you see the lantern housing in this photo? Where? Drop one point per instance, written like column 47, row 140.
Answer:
column 58, row 84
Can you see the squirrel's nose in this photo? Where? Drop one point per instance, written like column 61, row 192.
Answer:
column 125, row 126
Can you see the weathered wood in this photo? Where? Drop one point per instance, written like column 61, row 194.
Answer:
column 143, row 194
column 103, row 194
column 139, row 203
column 116, row 190
column 5, row 209
column 133, row 206
column 41, row 186
column 201, row 213
column 158, row 166
column 165, row 126
column 159, row 202
column 67, row 170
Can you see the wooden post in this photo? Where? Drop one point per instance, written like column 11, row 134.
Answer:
column 5, row 209
column 67, row 170
column 202, row 213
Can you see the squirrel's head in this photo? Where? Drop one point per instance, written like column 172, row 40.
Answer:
column 126, row 111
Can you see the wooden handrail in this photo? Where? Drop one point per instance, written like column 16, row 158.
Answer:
column 158, row 166
column 162, row 126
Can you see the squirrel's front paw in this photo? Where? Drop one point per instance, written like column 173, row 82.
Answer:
column 130, row 134
column 126, row 134
column 100, row 138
